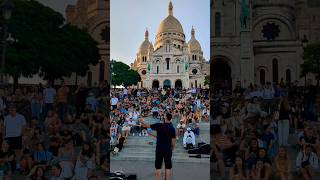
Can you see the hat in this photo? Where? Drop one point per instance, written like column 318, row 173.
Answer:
column 188, row 129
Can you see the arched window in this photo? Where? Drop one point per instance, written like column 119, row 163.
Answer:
column 196, row 83
column 157, row 69
column 101, row 71
column 275, row 70
column 178, row 69
column 168, row 63
column 217, row 24
column 288, row 76
column 262, row 76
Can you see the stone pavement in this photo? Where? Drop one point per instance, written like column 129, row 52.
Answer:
column 181, row 171
column 137, row 155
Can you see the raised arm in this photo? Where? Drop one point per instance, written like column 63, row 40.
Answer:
column 141, row 120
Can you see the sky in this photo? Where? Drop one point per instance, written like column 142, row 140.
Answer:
column 129, row 20
column 58, row 5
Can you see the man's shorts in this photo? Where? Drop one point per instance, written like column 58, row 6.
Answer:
column 15, row 143
column 166, row 157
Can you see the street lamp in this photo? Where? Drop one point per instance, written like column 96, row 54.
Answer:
column 304, row 42
column 6, row 8
column 111, row 72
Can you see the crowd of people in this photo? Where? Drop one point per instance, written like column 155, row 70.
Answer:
column 128, row 106
column 54, row 132
column 265, row 132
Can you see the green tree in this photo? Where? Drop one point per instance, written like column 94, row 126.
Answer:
column 311, row 64
column 123, row 75
column 46, row 45
column 207, row 80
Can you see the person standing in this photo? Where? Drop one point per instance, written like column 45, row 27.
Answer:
column 114, row 102
column 81, row 95
column 166, row 142
column 283, row 122
column 62, row 100
column 14, row 124
column 49, row 94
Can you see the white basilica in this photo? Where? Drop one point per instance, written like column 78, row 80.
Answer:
column 259, row 41
column 171, row 62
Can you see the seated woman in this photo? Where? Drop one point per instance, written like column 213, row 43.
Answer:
column 180, row 128
column 41, row 155
column 4, row 167
column 259, row 171
column 238, row 171
column 66, row 156
column 37, row 173
column 125, row 130
column 52, row 123
column 307, row 162
column 282, row 165
column 26, row 162
column 263, row 156
column 10, row 155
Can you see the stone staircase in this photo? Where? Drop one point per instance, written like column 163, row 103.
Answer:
column 138, row 149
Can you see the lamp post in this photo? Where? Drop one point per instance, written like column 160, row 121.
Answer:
column 111, row 72
column 6, row 8
column 304, row 42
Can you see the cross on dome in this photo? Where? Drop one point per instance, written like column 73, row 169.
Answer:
column 170, row 8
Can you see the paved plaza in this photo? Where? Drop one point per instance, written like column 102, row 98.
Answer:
column 137, row 157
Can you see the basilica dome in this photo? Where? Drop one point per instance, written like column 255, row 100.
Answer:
column 169, row 29
column 146, row 44
column 170, row 24
column 194, row 44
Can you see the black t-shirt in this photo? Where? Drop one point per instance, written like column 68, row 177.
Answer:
column 165, row 134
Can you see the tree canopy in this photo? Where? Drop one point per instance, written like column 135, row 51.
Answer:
column 123, row 75
column 311, row 62
column 46, row 45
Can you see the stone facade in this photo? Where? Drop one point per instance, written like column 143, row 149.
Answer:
column 171, row 61
column 93, row 15
column 256, row 41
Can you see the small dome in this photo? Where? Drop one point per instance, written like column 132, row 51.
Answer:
column 146, row 44
column 194, row 44
column 170, row 23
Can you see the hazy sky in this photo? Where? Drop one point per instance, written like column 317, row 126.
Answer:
column 130, row 18
column 58, row 5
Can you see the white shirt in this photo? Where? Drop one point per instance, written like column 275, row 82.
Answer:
column 114, row 101
column 135, row 115
column 48, row 95
column 125, row 91
column 81, row 170
column 268, row 93
column 193, row 138
column 14, row 125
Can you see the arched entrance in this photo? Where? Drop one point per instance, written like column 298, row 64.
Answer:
column 155, row 84
column 221, row 74
column 178, row 84
column 166, row 84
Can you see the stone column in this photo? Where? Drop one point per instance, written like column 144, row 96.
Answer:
column 247, row 58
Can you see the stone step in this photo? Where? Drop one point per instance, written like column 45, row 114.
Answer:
column 141, row 157
column 138, row 150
